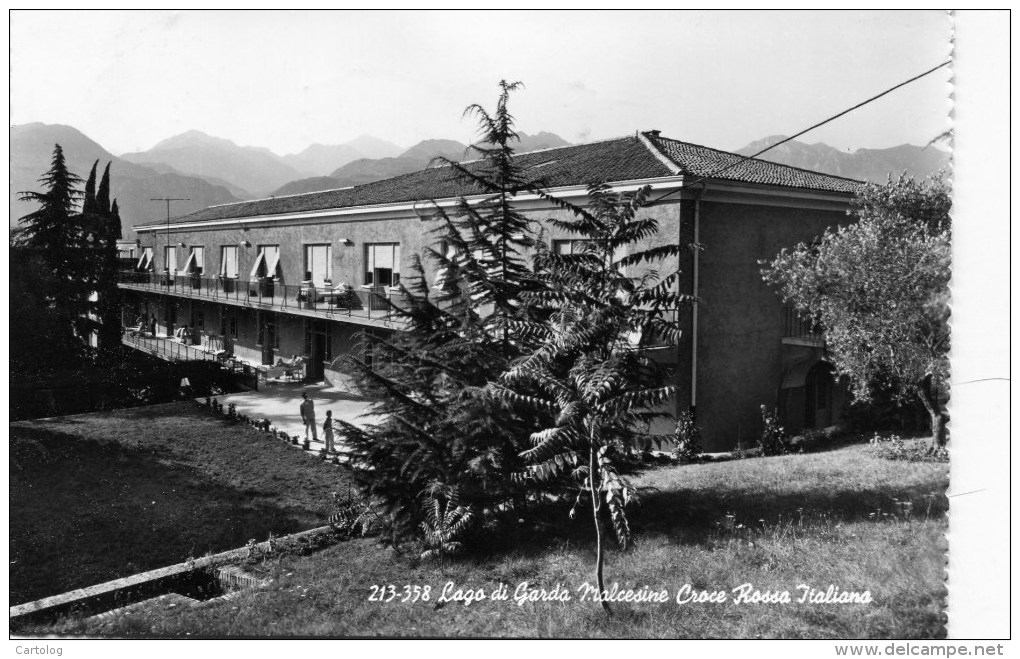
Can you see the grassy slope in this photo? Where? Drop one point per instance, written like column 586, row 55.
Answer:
column 819, row 519
column 99, row 496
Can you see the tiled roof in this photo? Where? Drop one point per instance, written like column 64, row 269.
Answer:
column 622, row 159
column 695, row 160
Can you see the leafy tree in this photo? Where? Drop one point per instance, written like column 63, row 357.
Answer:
column 591, row 368
column 41, row 331
column 446, row 522
column 879, row 288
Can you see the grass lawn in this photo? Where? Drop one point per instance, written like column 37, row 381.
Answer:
column 94, row 497
column 838, row 518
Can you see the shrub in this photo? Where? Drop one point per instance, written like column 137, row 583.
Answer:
column 894, row 447
column 773, row 439
column 687, row 437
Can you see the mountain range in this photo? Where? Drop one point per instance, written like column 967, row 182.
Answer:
column 133, row 185
column 209, row 170
column 862, row 164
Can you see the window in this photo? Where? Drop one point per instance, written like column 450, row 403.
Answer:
column 382, row 264
column 267, row 325
column 564, row 247
column 228, row 261
column 319, row 263
column 170, row 259
column 228, row 322
column 145, row 260
column 448, row 251
column 267, row 263
column 196, row 261
column 570, row 246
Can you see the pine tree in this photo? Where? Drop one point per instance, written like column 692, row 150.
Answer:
column 50, row 230
column 439, row 425
column 53, row 237
column 486, row 242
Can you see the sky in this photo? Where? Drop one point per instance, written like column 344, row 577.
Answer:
column 287, row 79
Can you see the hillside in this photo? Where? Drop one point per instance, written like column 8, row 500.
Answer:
column 304, row 185
column 864, row 164
column 252, row 168
column 321, row 159
column 366, row 170
column 133, row 185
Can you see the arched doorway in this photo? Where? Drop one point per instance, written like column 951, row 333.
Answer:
column 818, row 387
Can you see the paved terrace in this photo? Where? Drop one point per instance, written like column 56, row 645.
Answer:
column 280, row 404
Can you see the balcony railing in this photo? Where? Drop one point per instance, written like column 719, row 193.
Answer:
column 796, row 326
column 168, row 349
column 266, row 291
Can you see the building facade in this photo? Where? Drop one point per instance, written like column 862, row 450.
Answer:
column 309, row 274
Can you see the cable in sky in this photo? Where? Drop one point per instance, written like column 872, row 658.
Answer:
column 806, row 130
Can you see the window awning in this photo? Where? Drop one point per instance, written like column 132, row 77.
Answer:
column 272, row 263
column 190, row 262
column 143, row 261
column 258, row 262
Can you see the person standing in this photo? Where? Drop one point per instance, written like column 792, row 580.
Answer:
column 308, row 416
column 327, row 431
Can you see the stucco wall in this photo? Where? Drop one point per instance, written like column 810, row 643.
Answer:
column 348, row 261
column 740, row 350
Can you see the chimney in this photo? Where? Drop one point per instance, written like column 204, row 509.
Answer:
column 653, row 133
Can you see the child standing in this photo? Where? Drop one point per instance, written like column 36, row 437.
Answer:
column 327, row 431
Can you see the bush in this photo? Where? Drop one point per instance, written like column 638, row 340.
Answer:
column 773, row 439
column 894, row 447
column 687, row 437
column 814, row 439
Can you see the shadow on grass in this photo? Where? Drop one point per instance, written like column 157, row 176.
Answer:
column 692, row 514
column 85, row 511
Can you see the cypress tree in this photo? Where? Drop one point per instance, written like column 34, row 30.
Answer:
column 109, row 307
column 103, row 195
column 88, row 204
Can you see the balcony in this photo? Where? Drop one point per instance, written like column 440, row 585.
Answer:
column 801, row 332
column 167, row 348
column 364, row 307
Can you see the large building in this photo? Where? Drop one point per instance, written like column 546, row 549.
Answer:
column 306, row 274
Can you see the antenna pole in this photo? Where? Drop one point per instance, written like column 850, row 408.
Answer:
column 168, row 200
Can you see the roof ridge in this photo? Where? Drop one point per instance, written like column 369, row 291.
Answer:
column 674, row 168
column 548, row 148
column 281, row 196
column 771, row 162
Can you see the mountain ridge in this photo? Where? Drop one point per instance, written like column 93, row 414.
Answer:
column 133, row 185
column 868, row 164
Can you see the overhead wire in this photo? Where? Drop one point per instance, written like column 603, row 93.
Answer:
column 806, row 130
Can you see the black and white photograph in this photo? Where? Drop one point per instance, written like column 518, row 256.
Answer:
column 466, row 324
